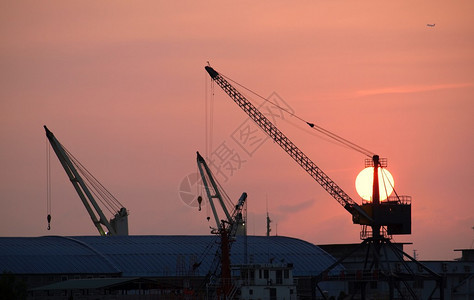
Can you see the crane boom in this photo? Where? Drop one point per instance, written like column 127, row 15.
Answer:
column 234, row 219
column 359, row 216
column 117, row 225
column 208, row 181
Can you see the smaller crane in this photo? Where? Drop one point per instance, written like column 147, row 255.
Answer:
column 228, row 228
column 235, row 219
column 118, row 225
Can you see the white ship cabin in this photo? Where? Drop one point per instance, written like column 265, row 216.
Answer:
column 265, row 281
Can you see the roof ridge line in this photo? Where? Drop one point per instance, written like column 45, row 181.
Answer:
column 93, row 250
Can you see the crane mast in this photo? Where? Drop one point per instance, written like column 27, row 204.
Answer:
column 117, row 225
column 359, row 216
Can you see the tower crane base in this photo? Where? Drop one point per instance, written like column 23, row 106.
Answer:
column 383, row 262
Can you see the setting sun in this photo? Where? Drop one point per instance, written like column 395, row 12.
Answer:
column 364, row 182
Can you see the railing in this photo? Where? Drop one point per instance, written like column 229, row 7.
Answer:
column 403, row 199
column 369, row 162
column 400, row 199
column 366, row 233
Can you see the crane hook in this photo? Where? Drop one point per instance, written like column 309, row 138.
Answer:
column 49, row 221
column 199, row 202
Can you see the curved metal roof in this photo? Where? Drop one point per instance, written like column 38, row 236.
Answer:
column 51, row 255
column 150, row 256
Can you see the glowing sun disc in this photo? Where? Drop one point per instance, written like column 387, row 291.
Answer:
column 364, row 182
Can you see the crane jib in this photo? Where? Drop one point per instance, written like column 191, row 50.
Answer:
column 118, row 225
column 286, row 144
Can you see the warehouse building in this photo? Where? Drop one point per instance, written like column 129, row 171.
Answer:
column 127, row 267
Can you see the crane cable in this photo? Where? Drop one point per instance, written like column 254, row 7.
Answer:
column 391, row 185
column 48, row 184
column 385, row 178
column 209, row 133
column 225, row 197
column 209, row 115
column 318, row 128
column 95, row 187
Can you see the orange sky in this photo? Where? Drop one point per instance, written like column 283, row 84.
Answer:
column 123, row 87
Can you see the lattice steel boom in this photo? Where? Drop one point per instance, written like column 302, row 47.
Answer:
column 359, row 216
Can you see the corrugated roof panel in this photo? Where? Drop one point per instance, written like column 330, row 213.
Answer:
column 144, row 256
column 51, row 255
column 94, row 283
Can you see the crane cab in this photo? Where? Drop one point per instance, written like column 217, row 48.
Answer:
column 394, row 214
